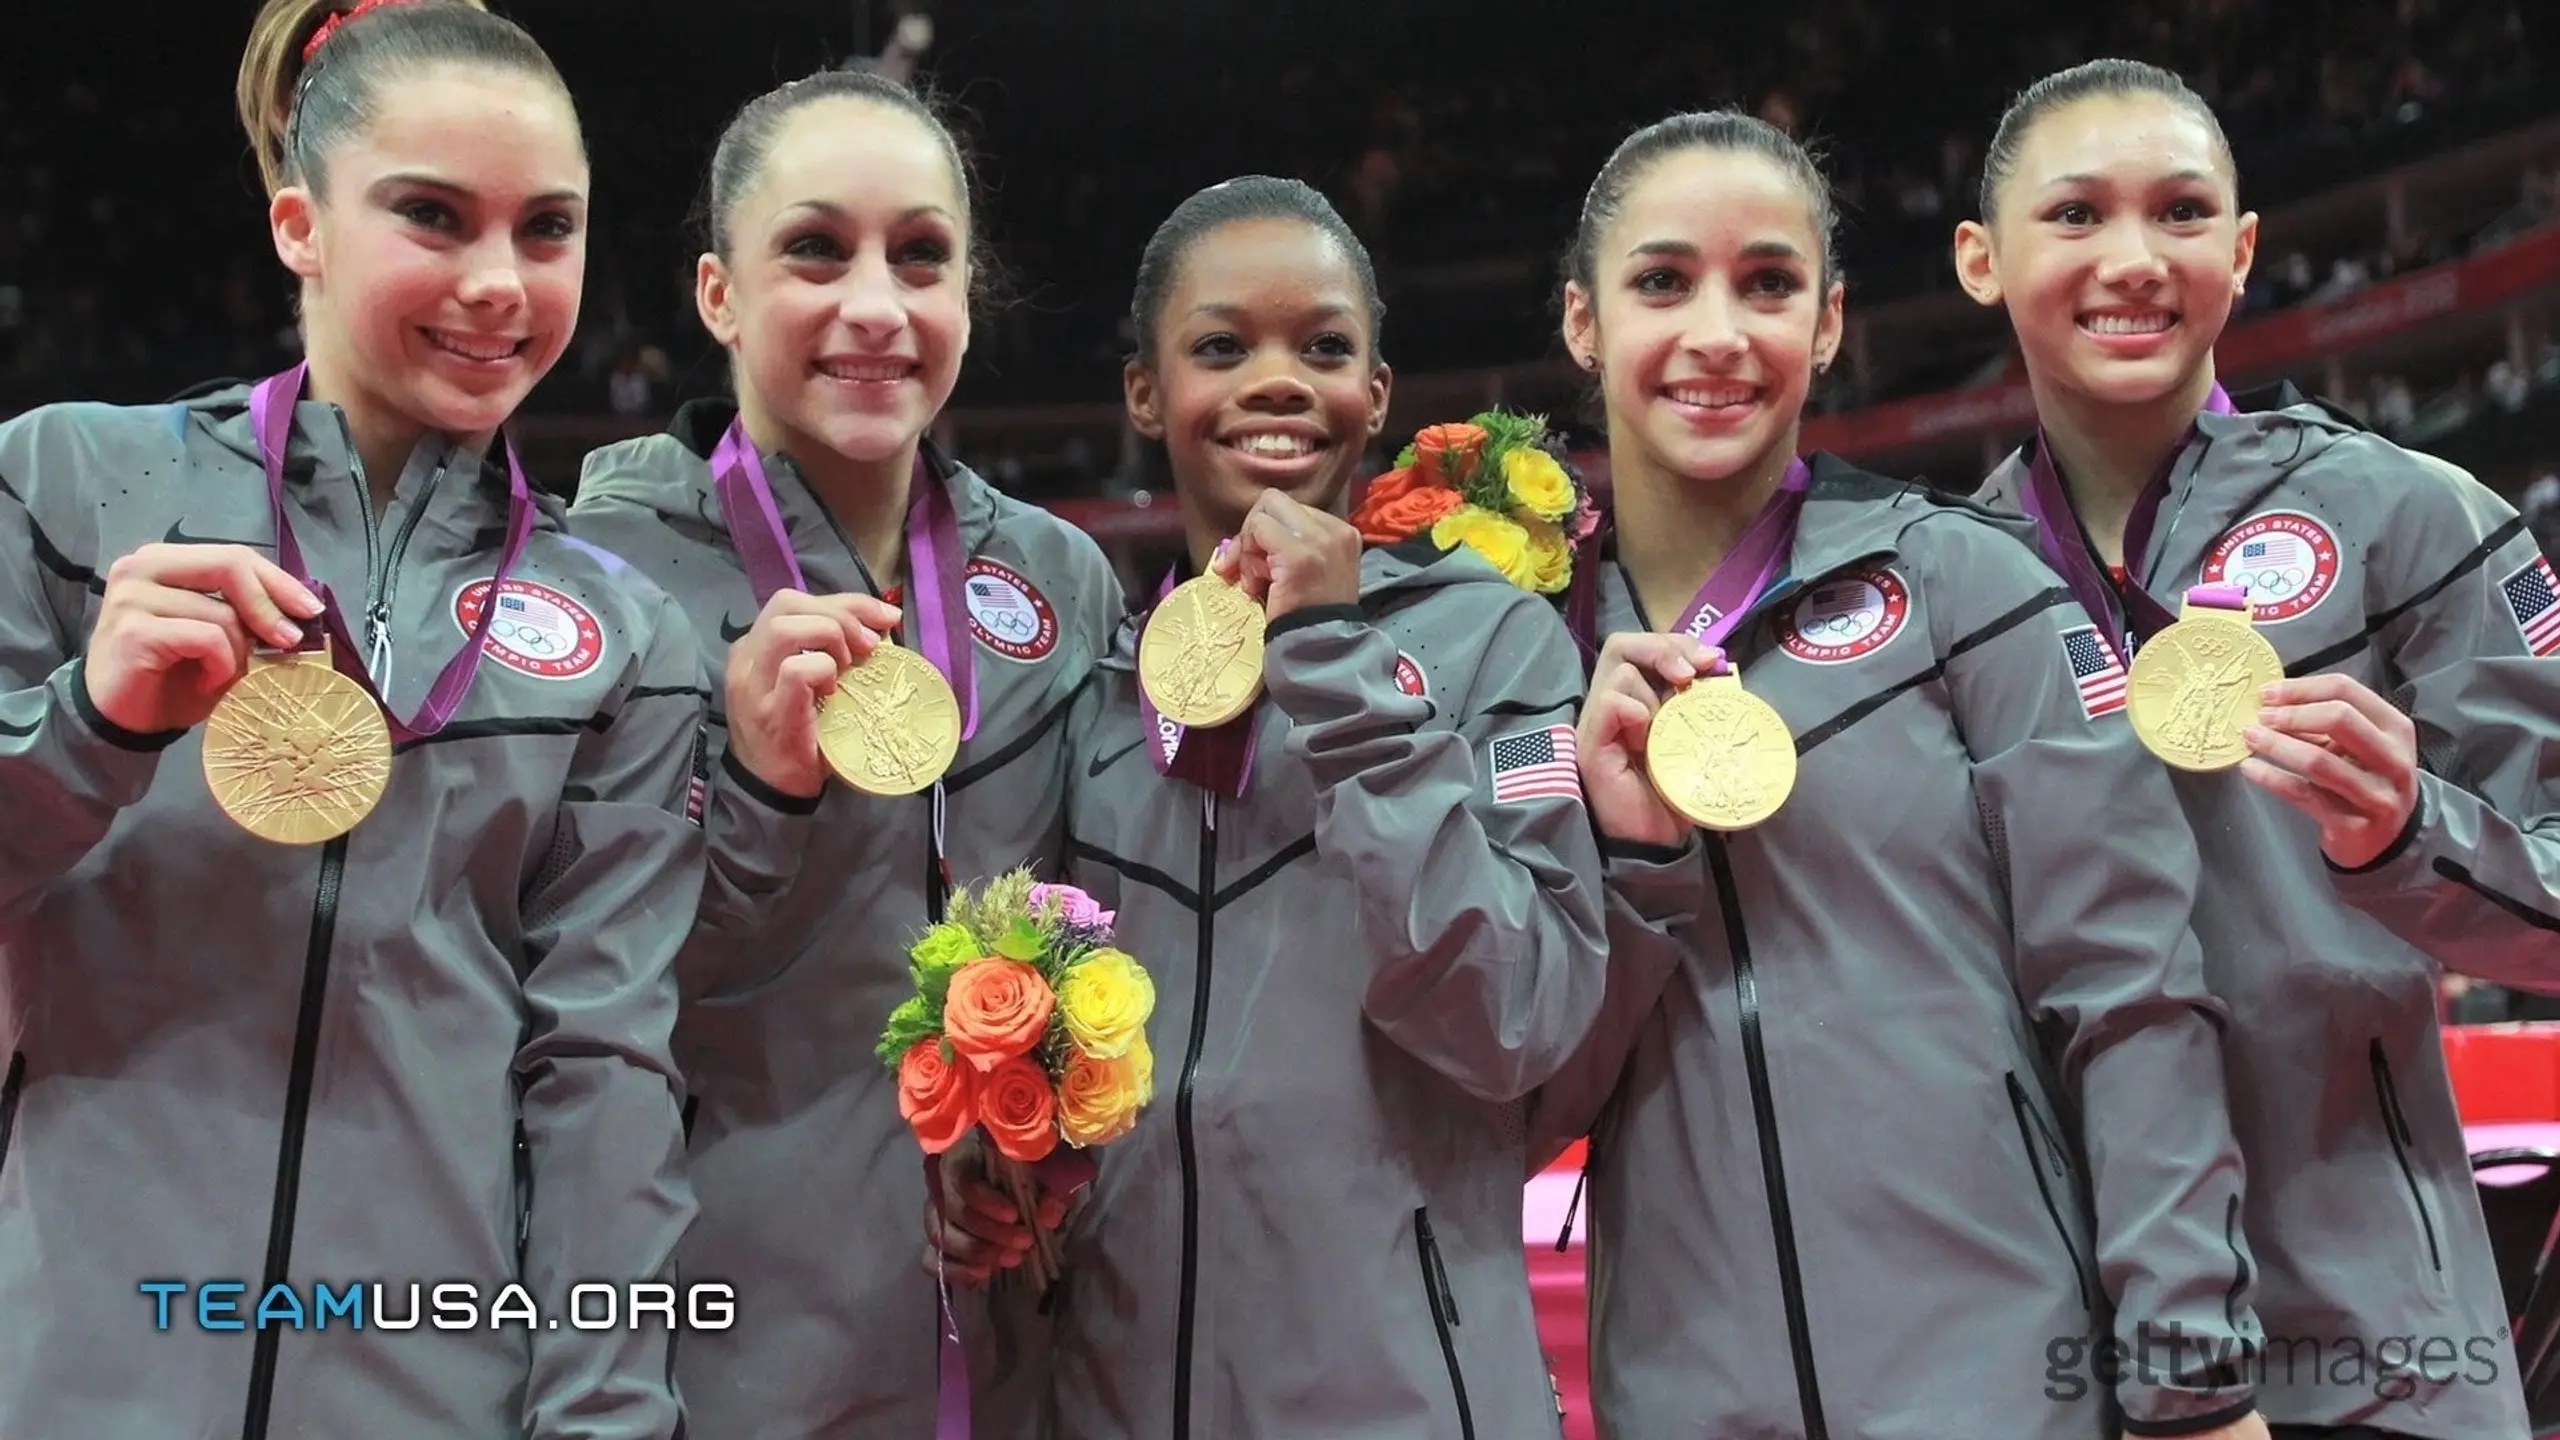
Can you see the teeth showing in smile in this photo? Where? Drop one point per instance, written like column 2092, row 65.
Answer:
column 2149, row 322
column 873, row 370
column 1710, row 397
column 474, row 347
column 1274, row 447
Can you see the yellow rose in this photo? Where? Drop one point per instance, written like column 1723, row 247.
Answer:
column 1105, row 1001
column 1537, row 483
column 1099, row 1100
column 1550, row 557
column 1498, row 538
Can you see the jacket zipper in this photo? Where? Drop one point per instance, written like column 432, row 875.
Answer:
column 937, row 869
column 377, row 612
column 1773, row 1171
column 315, row 989
column 524, row 1187
column 1187, row 1307
column 1444, row 1313
column 376, row 657
column 2031, row 1134
column 2396, row 1125
column 297, row 1120
column 9, row 1088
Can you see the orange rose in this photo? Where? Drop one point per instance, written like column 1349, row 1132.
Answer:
column 1445, row 454
column 935, row 1096
column 1384, row 488
column 1399, row 505
column 1021, row 1111
column 997, row 1009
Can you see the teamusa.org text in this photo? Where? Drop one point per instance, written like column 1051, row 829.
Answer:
column 450, row 1305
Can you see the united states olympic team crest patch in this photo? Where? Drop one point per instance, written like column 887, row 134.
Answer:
column 537, row 631
column 1847, row 618
column 1409, row 677
column 1008, row 613
column 2288, row 560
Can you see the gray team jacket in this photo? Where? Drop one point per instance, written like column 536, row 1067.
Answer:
column 812, row 1186
column 2373, row 562
column 435, row 1050
column 1360, row 968
column 1909, row 1096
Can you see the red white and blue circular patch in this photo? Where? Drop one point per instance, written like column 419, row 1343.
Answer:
column 1847, row 618
column 2288, row 560
column 1008, row 613
column 537, row 631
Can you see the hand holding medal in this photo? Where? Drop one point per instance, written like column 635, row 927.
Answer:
column 824, row 677
column 177, row 628
column 1613, row 736
column 1717, row 754
column 299, row 750
column 2346, row 757
column 784, row 669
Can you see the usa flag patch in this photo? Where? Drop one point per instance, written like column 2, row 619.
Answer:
column 2095, row 670
column 1536, row 764
column 2533, row 598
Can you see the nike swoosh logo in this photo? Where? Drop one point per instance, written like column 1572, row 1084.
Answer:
column 1104, row 762
column 179, row 536
column 16, row 732
column 732, row 632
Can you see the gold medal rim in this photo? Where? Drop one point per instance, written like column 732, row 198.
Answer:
column 377, row 738
column 2266, row 667
column 938, row 696
column 1198, row 717
column 1728, row 823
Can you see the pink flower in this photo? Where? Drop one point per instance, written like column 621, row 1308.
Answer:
column 1072, row 905
column 1585, row 520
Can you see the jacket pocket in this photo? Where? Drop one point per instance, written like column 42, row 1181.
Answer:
column 9, row 1087
column 2386, row 1094
column 1444, row 1314
column 2046, row 1161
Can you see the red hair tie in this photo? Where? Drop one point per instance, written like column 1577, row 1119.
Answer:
column 330, row 26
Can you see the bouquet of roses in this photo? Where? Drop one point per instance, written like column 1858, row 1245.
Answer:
column 1497, row 484
column 1026, row 1023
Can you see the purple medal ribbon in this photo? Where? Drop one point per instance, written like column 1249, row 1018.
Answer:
column 933, row 554
column 271, row 405
column 2219, row 597
column 1740, row 579
column 2048, row 503
column 1219, row 760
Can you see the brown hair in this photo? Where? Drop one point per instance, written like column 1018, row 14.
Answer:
column 294, row 110
column 746, row 144
column 1724, row 130
column 2089, row 80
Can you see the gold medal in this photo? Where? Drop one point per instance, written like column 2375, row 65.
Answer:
column 1720, row 756
column 296, row 753
column 2194, row 687
column 892, row 725
column 1201, row 656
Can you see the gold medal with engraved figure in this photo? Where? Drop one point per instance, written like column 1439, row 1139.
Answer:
column 2193, row 688
column 1201, row 656
column 296, row 753
column 1720, row 755
column 892, row 726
